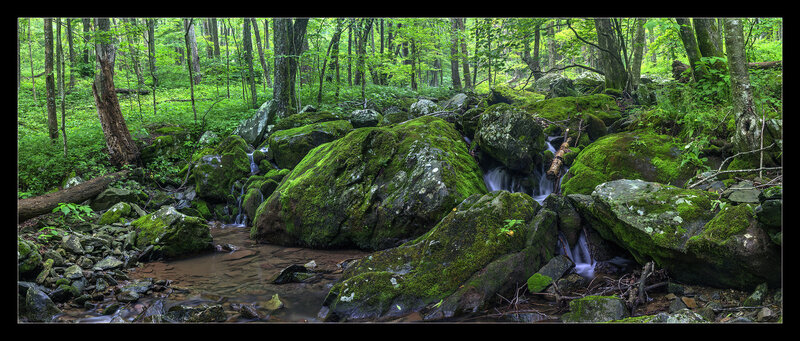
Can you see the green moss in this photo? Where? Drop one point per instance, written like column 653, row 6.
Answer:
column 538, row 282
column 639, row 154
column 172, row 233
column 170, row 130
column 115, row 214
column 305, row 118
column 288, row 147
column 601, row 106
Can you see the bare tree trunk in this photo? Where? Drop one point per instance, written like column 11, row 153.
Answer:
column 266, row 46
column 611, row 61
column 261, row 54
column 151, row 56
column 748, row 133
column 60, row 68
column 187, row 36
column 121, row 149
column 464, row 54
column 638, row 53
column 191, row 52
column 212, row 26
column 52, row 119
column 134, row 58
column 288, row 37
column 248, row 56
column 454, row 54
column 690, row 44
column 337, row 33
column 30, row 53
column 71, row 55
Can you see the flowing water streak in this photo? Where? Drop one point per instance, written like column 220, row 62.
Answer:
column 580, row 255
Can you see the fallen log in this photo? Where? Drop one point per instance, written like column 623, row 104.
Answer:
column 132, row 91
column 36, row 206
column 558, row 159
column 766, row 65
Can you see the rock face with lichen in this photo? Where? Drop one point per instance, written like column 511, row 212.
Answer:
column 682, row 232
column 218, row 170
column 511, row 136
column 372, row 188
column 460, row 265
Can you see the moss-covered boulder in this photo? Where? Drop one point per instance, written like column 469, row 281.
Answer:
column 459, row 265
column 215, row 174
column 511, row 136
column 423, row 107
column 168, row 143
column 305, row 118
column 115, row 214
column 28, row 257
column 596, row 309
column 172, row 233
column 565, row 108
column 679, row 230
column 638, row 154
column 372, row 188
column 287, row 147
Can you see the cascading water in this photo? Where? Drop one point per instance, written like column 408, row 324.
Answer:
column 579, row 254
column 501, row 178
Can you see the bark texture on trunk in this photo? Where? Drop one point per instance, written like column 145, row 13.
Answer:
column 121, row 148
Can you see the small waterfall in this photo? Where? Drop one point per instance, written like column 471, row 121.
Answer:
column 501, row 178
column 253, row 165
column 579, row 254
column 241, row 218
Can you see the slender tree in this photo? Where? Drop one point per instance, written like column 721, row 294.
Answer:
column 288, row 37
column 638, row 52
column 456, row 78
column 613, row 65
column 188, row 34
column 748, row 125
column 151, row 57
column 692, row 50
column 71, row 55
column 464, row 55
column 121, row 148
column 49, row 81
column 337, row 33
column 248, row 57
column 261, row 53
column 60, row 68
column 191, row 53
column 30, row 53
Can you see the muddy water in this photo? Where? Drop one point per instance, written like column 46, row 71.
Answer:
column 244, row 276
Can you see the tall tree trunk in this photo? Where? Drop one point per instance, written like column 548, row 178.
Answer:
column 121, row 149
column 87, row 35
column 49, row 81
column 288, row 38
column 151, row 56
column 266, row 47
column 60, row 68
column 533, row 62
column 191, row 52
column 464, row 54
column 71, row 54
column 638, row 53
column 690, row 44
column 454, row 54
column 748, row 125
column 261, row 54
column 30, row 55
column 188, row 33
column 333, row 49
column 227, row 60
column 708, row 43
column 611, row 61
column 248, row 56
column 132, row 50
column 361, row 53
column 214, row 28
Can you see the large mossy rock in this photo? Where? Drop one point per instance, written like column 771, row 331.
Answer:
column 305, row 118
column 459, row 265
column 511, row 136
column 679, row 230
column 112, row 195
column 628, row 155
column 218, row 170
column 287, row 147
column 372, row 188
column 563, row 108
column 172, row 233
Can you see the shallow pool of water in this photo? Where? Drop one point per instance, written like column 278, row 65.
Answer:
column 244, row 276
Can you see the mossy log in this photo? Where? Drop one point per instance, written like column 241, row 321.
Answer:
column 36, row 206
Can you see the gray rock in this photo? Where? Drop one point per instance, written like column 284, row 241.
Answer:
column 73, row 272
column 112, row 195
column 757, row 297
column 110, row 262
column 423, row 107
column 72, row 243
column 365, row 118
column 596, row 309
column 556, row 267
column 128, row 296
column 39, row 306
column 254, row 129
column 742, row 192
